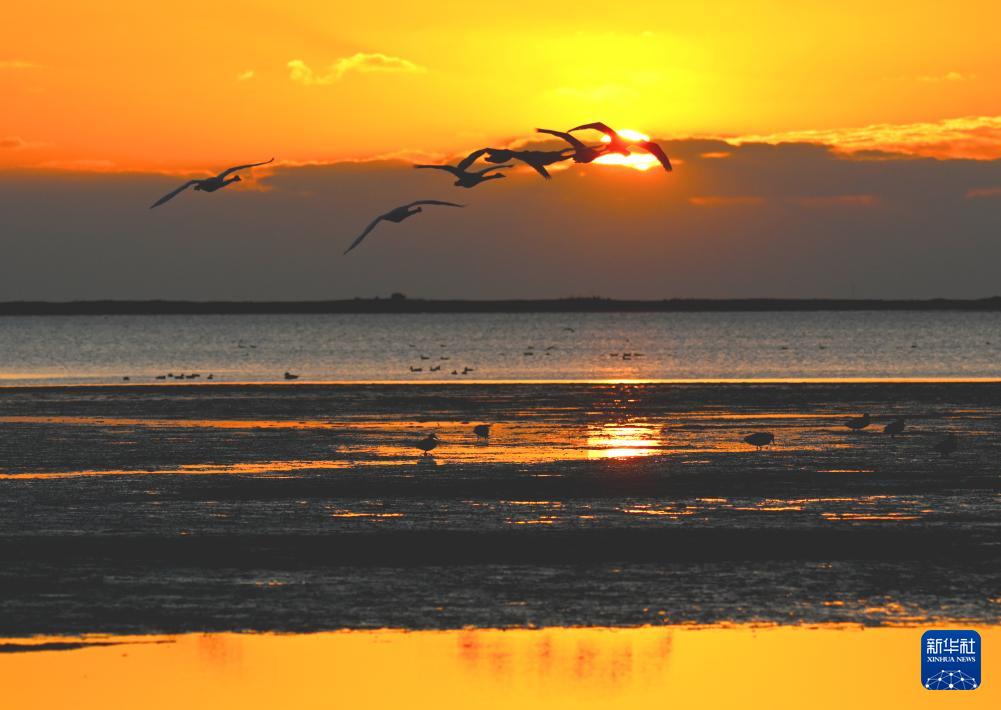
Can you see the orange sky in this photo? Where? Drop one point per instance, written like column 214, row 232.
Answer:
column 193, row 84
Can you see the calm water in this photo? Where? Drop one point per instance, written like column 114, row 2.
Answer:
column 260, row 348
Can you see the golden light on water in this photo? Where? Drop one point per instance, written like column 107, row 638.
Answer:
column 580, row 668
column 613, row 441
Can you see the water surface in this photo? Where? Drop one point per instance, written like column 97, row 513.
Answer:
column 501, row 347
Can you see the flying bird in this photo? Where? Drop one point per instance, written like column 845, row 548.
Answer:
column 210, row 184
column 398, row 214
column 618, row 144
column 759, row 439
column 538, row 159
column 466, row 177
column 583, row 153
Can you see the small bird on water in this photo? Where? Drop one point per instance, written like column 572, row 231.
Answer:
column 948, row 445
column 858, row 423
column 895, row 427
column 427, row 444
column 482, row 431
column 760, row 439
column 290, row 376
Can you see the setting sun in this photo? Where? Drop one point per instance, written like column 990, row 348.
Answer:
column 629, row 134
column 638, row 161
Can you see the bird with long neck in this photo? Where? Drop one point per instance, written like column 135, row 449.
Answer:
column 622, row 146
column 465, row 176
column 210, row 184
column 583, row 153
column 397, row 215
column 537, row 159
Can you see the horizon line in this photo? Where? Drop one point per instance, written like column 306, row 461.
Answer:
column 401, row 304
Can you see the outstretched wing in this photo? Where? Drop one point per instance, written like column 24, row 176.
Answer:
column 498, row 155
column 450, row 168
column 597, row 126
column 175, row 193
column 539, row 168
column 490, row 168
column 657, row 152
column 433, row 202
column 565, row 136
column 471, row 158
column 234, row 169
column 364, row 234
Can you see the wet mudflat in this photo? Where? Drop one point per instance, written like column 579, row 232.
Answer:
column 306, row 507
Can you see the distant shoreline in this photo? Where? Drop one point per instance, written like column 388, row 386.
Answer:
column 556, row 305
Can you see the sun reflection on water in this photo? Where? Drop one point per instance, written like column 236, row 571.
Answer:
column 628, row 440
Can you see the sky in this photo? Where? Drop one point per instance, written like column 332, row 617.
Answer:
column 820, row 150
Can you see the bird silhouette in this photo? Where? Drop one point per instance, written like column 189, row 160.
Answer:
column 618, row 144
column 428, row 444
column 210, row 184
column 290, row 376
column 482, row 431
column 895, row 427
column 583, row 153
column 948, row 445
column 760, row 439
column 398, row 214
column 538, row 159
column 466, row 177
column 858, row 423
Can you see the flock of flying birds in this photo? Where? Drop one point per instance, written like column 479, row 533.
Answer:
column 498, row 159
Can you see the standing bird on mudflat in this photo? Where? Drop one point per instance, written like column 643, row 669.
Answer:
column 398, row 214
column 210, row 184
column 760, row 439
column 948, row 445
column 482, row 431
column 858, row 423
column 465, row 176
column 895, row 427
column 537, row 159
column 428, row 444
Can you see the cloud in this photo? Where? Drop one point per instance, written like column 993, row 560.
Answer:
column 80, row 164
column 952, row 76
column 974, row 137
column 726, row 201
column 360, row 62
column 784, row 220
column 975, row 193
column 18, row 143
column 245, row 75
column 18, row 64
column 831, row 201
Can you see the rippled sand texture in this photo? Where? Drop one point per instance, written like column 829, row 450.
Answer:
column 168, row 509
